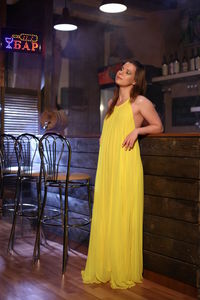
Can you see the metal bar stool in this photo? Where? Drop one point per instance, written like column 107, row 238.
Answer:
column 29, row 168
column 55, row 152
column 9, row 170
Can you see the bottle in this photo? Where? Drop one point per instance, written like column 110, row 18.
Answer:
column 197, row 60
column 192, row 61
column 171, row 65
column 176, row 64
column 164, row 66
column 184, row 65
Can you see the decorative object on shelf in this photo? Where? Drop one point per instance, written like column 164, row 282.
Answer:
column 115, row 6
column 164, row 66
column 65, row 22
column 176, row 64
column 184, row 65
column 55, row 120
column 192, row 61
column 197, row 59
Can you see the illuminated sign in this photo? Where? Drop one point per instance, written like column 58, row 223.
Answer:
column 20, row 41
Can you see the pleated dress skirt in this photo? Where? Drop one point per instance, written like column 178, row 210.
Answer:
column 116, row 237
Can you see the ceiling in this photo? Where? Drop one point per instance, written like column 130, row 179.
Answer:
column 142, row 5
column 88, row 10
column 137, row 9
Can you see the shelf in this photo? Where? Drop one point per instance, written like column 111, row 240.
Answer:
column 176, row 76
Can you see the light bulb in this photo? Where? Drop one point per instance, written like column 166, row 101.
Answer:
column 113, row 8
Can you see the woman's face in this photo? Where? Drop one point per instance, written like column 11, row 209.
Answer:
column 126, row 75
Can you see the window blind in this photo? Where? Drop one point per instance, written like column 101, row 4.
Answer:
column 21, row 112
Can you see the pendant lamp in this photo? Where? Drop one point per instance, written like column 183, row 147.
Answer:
column 113, row 6
column 65, row 22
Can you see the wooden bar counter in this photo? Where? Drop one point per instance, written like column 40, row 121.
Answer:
column 171, row 203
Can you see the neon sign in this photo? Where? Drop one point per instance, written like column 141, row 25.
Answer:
column 19, row 41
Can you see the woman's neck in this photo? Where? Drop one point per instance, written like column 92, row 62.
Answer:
column 124, row 93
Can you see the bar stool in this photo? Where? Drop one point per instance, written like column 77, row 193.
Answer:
column 29, row 167
column 55, row 153
column 9, row 169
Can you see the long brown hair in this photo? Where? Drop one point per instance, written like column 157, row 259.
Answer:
column 139, row 88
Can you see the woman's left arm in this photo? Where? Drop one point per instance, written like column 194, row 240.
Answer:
column 149, row 113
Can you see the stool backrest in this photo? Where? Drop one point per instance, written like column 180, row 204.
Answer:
column 27, row 149
column 8, row 153
column 55, row 153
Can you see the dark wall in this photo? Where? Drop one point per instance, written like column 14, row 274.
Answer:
column 85, row 50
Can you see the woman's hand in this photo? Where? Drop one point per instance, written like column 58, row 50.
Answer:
column 130, row 140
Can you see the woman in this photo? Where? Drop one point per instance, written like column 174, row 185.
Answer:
column 115, row 249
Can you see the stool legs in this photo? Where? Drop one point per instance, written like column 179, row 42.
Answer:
column 65, row 235
column 64, row 216
column 61, row 204
column 36, row 252
column 16, row 209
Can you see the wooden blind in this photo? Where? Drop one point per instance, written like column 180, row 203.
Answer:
column 21, row 112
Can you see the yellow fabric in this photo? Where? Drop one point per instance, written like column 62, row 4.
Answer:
column 115, row 248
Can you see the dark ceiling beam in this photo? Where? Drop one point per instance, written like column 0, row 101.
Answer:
column 152, row 5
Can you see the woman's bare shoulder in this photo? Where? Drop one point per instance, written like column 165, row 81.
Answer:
column 142, row 100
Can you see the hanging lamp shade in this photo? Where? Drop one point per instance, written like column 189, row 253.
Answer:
column 115, row 6
column 65, row 22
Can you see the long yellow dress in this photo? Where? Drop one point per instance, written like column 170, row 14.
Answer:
column 115, row 248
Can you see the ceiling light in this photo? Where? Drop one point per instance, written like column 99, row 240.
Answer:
column 65, row 22
column 114, row 6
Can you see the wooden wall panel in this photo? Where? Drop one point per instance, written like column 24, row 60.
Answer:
column 178, row 230
column 171, row 146
column 173, row 248
column 173, row 268
column 177, row 209
column 184, row 167
column 178, row 188
column 171, row 206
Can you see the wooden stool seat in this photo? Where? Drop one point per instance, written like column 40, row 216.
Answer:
column 74, row 176
column 79, row 176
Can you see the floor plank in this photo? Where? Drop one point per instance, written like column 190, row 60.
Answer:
column 20, row 279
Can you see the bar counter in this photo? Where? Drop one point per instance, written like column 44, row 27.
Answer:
column 171, row 204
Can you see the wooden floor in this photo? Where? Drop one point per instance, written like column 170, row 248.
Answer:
column 20, row 280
